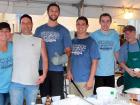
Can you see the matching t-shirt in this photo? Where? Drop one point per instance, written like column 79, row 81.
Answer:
column 84, row 51
column 57, row 39
column 6, row 65
column 108, row 44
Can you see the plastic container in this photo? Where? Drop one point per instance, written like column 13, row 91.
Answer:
column 106, row 94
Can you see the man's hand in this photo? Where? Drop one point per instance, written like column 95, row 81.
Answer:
column 69, row 75
column 137, row 74
column 131, row 72
column 89, row 84
column 41, row 79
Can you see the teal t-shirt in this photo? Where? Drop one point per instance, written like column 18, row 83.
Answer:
column 108, row 44
column 6, row 64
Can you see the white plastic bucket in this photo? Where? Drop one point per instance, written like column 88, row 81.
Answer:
column 106, row 94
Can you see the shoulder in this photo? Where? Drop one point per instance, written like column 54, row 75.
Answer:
column 124, row 46
column 95, row 32
column 42, row 26
column 114, row 32
column 16, row 34
column 92, row 41
column 63, row 28
column 37, row 38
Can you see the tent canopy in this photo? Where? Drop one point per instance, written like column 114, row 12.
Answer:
column 73, row 8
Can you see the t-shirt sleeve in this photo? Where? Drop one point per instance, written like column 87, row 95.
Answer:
column 123, row 53
column 117, row 42
column 94, row 52
column 92, row 35
column 67, row 39
column 37, row 33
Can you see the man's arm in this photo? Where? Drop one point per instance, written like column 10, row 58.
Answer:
column 68, row 53
column 91, row 80
column 69, row 74
column 44, row 63
column 116, row 54
column 44, row 58
column 128, row 70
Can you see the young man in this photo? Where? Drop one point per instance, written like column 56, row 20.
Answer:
column 130, row 58
column 26, row 54
column 6, row 63
column 84, row 60
column 58, row 45
column 109, row 45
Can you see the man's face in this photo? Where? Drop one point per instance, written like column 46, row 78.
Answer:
column 105, row 23
column 53, row 13
column 4, row 34
column 130, row 36
column 81, row 26
column 26, row 26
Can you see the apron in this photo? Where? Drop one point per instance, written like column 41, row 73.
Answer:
column 133, row 61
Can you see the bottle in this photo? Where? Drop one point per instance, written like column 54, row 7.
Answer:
column 48, row 100
column 38, row 99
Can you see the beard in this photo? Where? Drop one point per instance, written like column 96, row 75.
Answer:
column 53, row 19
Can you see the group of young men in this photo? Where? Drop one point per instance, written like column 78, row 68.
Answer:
column 90, row 58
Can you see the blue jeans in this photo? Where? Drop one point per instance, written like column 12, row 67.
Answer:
column 18, row 92
column 4, row 98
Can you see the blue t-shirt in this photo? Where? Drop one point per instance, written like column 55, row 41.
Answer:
column 6, row 66
column 83, row 52
column 57, row 39
column 123, row 53
column 108, row 44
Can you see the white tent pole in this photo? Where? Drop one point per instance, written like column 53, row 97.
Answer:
column 80, row 6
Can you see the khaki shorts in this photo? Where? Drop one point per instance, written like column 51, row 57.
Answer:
column 81, row 86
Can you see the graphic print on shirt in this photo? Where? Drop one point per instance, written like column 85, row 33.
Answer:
column 5, row 62
column 105, row 45
column 78, row 49
column 50, row 36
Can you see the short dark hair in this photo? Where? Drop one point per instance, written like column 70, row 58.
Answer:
column 53, row 4
column 4, row 25
column 83, row 18
column 129, row 28
column 105, row 14
column 27, row 16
